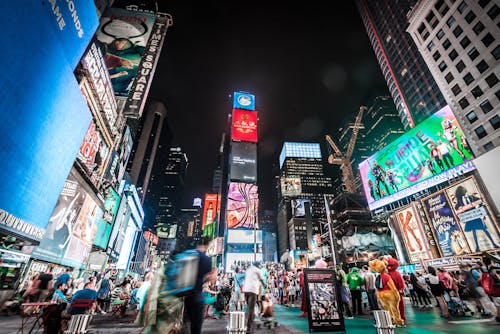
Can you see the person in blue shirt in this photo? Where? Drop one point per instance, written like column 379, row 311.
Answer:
column 58, row 296
column 64, row 278
column 88, row 293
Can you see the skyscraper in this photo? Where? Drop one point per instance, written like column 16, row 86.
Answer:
column 411, row 85
column 459, row 43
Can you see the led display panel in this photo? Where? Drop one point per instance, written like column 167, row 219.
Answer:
column 243, row 101
column 242, row 205
column 105, row 226
column 243, row 162
column 299, row 150
column 123, row 36
column 92, row 154
column 244, row 125
column 209, row 222
column 291, row 186
column 434, row 151
column 242, row 236
column 474, row 216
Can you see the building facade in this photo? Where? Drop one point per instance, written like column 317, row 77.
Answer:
column 411, row 85
column 459, row 42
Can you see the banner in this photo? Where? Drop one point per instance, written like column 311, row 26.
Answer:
column 413, row 235
column 427, row 228
column 243, row 162
column 244, row 126
column 242, row 205
column 92, row 154
column 447, row 231
column 433, row 152
column 324, row 312
column 474, row 215
column 209, row 222
column 243, row 101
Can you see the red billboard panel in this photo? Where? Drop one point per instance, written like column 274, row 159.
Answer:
column 209, row 221
column 244, row 125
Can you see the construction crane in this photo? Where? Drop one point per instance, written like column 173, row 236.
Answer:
column 344, row 159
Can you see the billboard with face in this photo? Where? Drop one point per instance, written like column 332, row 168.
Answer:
column 244, row 101
column 432, row 152
column 413, row 235
column 123, row 35
column 92, row 154
column 244, row 125
column 447, row 230
column 243, row 162
column 291, row 186
column 474, row 216
column 242, row 205
column 209, row 222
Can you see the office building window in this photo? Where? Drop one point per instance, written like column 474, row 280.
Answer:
column 450, row 22
column 456, row 90
column 493, row 12
column 491, row 80
column 478, row 28
column 440, row 34
column 470, row 17
column 446, row 44
column 480, row 132
column 442, row 66
column 465, row 42
column 449, row 77
column 477, row 92
column 486, row 106
column 457, row 31
column 487, row 39
column 468, row 78
column 483, row 3
column 472, row 117
column 436, row 55
column 482, row 66
column 430, row 46
column 488, row 146
column 496, row 52
column 463, row 103
column 441, row 7
column 495, row 122
column 497, row 94
column 453, row 54
column 460, row 66
column 462, row 7
column 473, row 53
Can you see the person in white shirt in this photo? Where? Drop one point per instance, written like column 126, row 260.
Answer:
column 251, row 288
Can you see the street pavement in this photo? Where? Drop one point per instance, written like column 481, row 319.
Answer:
column 419, row 322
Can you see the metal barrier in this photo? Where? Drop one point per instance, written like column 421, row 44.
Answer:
column 383, row 322
column 237, row 323
column 78, row 324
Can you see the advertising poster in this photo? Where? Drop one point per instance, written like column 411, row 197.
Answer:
column 243, row 162
column 413, row 235
column 244, row 125
column 299, row 208
column 324, row 313
column 430, row 153
column 242, row 205
column 473, row 215
column 92, row 154
column 209, row 222
column 367, row 246
column 125, row 150
column 105, row 226
column 419, row 209
column 244, row 101
column 447, row 231
column 291, row 186
column 123, row 35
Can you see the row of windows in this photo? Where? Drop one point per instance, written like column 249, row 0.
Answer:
column 481, row 131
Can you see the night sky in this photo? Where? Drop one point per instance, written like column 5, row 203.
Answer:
column 307, row 65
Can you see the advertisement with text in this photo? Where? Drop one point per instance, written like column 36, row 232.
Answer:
column 244, row 126
column 209, row 222
column 413, row 235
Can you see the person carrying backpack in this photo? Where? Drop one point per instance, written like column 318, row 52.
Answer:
column 490, row 281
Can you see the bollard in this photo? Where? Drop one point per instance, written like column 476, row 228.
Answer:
column 383, row 322
column 237, row 323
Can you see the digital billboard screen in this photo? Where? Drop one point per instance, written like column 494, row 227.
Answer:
column 209, row 222
column 299, row 150
column 92, row 153
column 243, row 101
column 299, row 207
column 434, row 151
column 243, row 162
column 45, row 114
column 244, row 125
column 474, row 215
column 123, row 35
column 291, row 186
column 105, row 225
column 242, row 205
column 242, row 236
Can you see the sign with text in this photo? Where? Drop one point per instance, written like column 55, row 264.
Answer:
column 243, row 162
column 413, row 235
column 244, row 125
column 324, row 312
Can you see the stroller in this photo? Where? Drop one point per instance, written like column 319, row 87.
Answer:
column 267, row 313
column 458, row 308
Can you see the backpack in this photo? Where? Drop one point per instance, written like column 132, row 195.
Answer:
column 181, row 274
column 378, row 282
column 491, row 288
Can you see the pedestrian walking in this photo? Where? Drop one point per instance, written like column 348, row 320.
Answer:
column 253, row 282
column 369, row 278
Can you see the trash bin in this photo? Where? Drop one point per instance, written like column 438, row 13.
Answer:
column 383, row 322
column 237, row 323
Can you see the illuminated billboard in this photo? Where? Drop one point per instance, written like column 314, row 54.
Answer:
column 44, row 113
column 447, row 230
column 242, row 236
column 291, row 186
column 299, row 150
column 474, row 216
column 413, row 235
column 105, row 226
column 244, row 125
column 123, row 35
column 209, row 222
column 92, row 154
column 299, row 207
column 243, row 101
column 242, row 205
column 432, row 152
column 243, row 162
column 125, row 150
